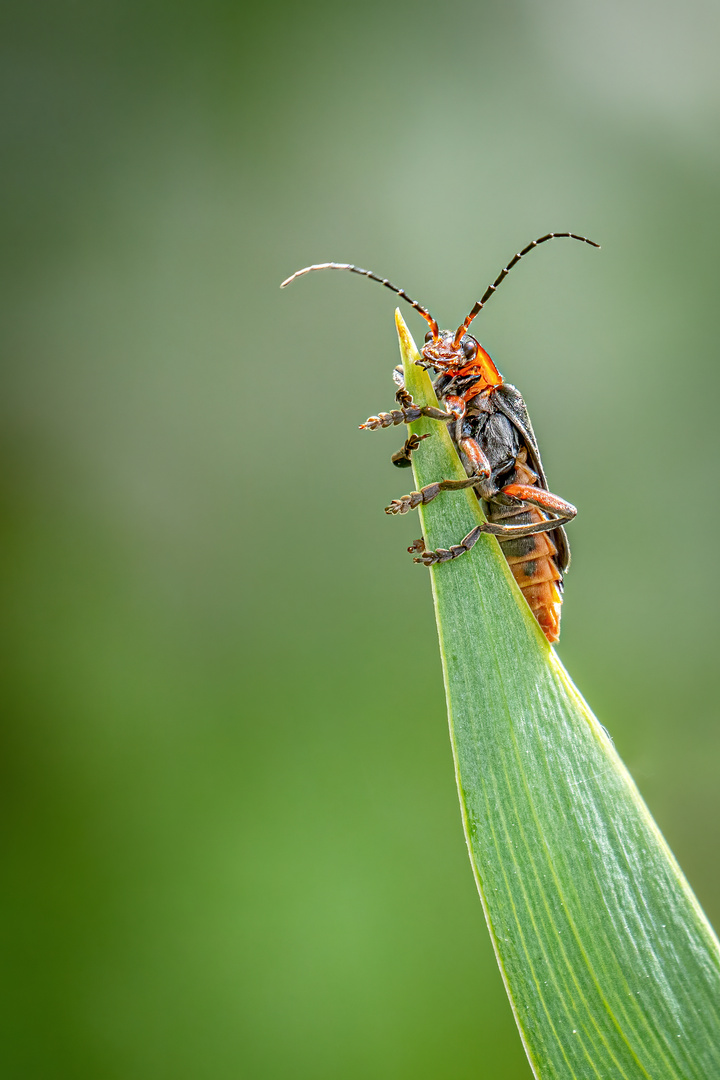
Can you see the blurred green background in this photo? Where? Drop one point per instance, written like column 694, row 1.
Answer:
column 233, row 846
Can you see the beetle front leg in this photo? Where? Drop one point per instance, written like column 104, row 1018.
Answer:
column 404, row 415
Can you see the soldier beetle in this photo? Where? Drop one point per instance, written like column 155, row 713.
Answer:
column 490, row 427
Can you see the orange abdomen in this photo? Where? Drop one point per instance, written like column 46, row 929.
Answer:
column 531, row 559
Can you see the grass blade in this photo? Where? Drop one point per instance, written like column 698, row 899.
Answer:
column 610, row 965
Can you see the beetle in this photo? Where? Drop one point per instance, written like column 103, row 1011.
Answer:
column 491, row 429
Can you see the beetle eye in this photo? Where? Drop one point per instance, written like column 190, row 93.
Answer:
column 429, row 336
column 469, row 347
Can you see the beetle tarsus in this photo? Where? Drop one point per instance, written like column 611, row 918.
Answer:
column 402, row 457
column 415, row 498
column 405, row 415
column 428, row 558
column 431, row 491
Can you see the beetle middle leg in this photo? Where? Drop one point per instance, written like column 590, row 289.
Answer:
column 430, row 492
column 481, row 472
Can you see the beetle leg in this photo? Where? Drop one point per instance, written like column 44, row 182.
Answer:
column 404, row 415
column 427, row 558
column 402, row 457
column 457, row 408
column 430, row 492
column 481, row 471
column 539, row 497
column 473, row 452
column 523, row 493
column 561, row 512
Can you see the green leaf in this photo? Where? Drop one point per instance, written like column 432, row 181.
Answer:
column 610, row 965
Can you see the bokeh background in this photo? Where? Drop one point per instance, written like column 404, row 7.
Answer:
column 233, row 847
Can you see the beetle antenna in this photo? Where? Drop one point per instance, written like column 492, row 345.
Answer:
column 373, row 277
column 503, row 274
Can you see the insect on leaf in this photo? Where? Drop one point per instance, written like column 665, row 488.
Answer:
column 610, row 965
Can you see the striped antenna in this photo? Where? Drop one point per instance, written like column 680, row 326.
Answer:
column 373, row 277
column 503, row 274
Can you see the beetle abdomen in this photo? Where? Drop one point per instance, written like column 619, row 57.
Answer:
column 532, row 558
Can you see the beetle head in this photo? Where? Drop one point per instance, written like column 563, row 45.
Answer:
column 464, row 357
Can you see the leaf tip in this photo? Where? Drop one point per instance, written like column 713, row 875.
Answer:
column 408, row 348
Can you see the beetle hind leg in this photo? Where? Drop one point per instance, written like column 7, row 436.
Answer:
column 560, row 510
column 428, row 558
column 528, row 495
